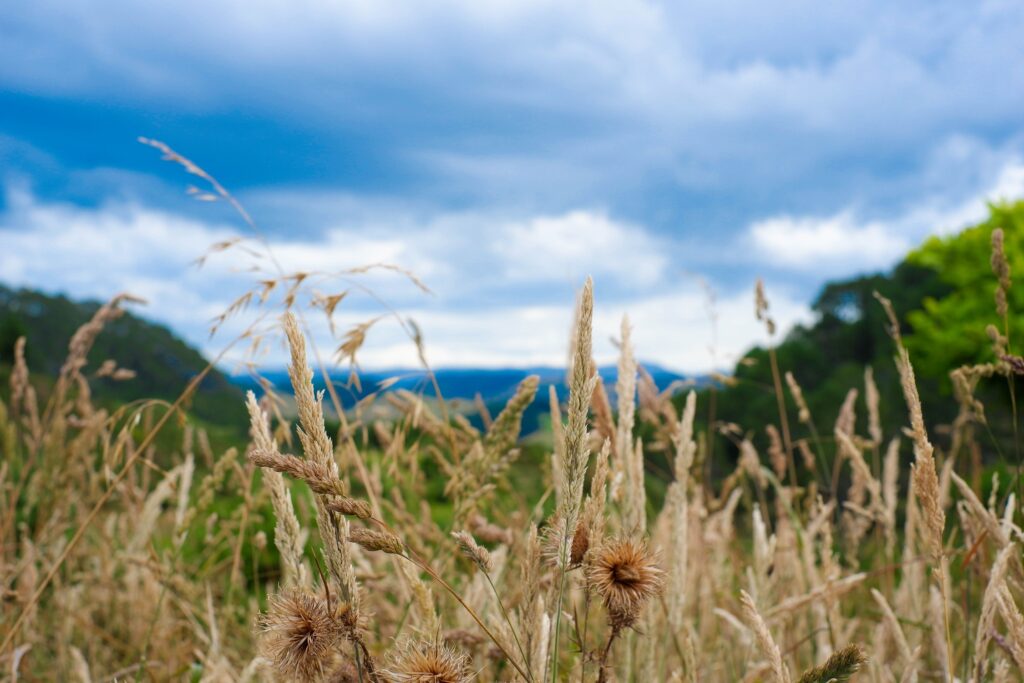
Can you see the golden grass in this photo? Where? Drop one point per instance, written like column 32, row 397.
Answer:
column 127, row 557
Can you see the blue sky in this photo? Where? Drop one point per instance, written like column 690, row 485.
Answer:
column 503, row 151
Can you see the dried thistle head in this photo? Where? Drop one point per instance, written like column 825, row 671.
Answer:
column 626, row 575
column 413, row 662
column 300, row 634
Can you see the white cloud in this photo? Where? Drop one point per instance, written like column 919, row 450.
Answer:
column 1007, row 187
column 820, row 243
column 529, row 270
column 631, row 88
column 565, row 247
column 504, row 287
column 841, row 244
column 671, row 328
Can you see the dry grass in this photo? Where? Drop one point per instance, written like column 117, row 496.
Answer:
column 127, row 557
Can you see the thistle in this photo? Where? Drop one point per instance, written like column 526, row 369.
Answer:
column 300, row 635
column 626, row 575
column 428, row 663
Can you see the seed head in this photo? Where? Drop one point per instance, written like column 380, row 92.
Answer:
column 580, row 542
column 626, row 575
column 300, row 635
column 469, row 547
column 383, row 541
column 839, row 667
column 427, row 663
column 351, row 507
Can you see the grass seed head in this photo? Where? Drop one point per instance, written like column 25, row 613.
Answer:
column 839, row 667
column 381, row 541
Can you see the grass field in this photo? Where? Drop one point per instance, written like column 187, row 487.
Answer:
column 132, row 550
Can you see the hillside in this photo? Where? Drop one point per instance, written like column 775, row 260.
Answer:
column 163, row 363
column 461, row 386
column 942, row 293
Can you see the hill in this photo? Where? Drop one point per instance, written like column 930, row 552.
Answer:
column 461, row 386
column 163, row 363
column 942, row 293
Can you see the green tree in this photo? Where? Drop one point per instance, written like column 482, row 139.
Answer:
column 949, row 330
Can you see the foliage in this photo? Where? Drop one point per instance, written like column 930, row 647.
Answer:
column 162, row 363
column 942, row 293
column 949, row 329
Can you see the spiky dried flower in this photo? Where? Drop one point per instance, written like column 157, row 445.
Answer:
column 626, row 575
column 839, row 667
column 382, row 541
column 413, row 662
column 300, row 634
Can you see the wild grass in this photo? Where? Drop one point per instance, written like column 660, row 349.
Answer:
column 312, row 554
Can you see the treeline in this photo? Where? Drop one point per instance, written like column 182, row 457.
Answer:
column 943, row 295
column 161, row 364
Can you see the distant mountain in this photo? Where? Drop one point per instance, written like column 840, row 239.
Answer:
column 461, row 385
column 163, row 363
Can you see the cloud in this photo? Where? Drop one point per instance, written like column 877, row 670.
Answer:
column 527, row 271
column 562, row 247
column 841, row 243
column 819, row 243
column 503, row 151
column 641, row 103
column 672, row 328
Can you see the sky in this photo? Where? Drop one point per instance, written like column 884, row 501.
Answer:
column 502, row 151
